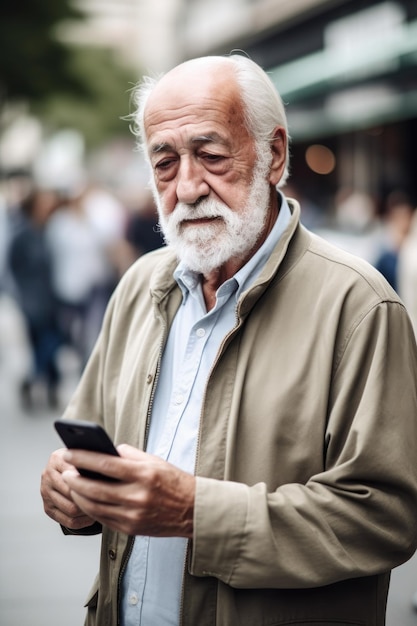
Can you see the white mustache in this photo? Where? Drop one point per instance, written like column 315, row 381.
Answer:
column 206, row 209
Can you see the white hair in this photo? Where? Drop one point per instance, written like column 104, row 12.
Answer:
column 263, row 107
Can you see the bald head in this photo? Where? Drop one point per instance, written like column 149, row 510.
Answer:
column 240, row 78
column 203, row 68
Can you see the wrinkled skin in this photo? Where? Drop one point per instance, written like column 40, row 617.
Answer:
column 151, row 497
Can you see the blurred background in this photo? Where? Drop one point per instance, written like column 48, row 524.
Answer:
column 75, row 209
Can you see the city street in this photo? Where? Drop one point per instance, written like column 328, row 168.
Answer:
column 44, row 575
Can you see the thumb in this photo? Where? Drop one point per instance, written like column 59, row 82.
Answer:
column 129, row 452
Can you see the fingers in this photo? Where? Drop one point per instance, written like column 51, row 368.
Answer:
column 104, row 501
column 90, row 489
column 152, row 496
column 56, row 495
column 104, row 464
column 129, row 452
column 67, row 513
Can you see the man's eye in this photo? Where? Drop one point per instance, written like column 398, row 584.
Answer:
column 163, row 165
column 165, row 169
column 213, row 158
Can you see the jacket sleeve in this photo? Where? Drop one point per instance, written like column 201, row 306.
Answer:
column 355, row 518
column 94, row 529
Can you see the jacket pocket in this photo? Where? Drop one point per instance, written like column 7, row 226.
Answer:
column 92, row 597
column 91, row 604
column 321, row 622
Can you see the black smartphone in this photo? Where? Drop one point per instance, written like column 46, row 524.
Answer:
column 83, row 435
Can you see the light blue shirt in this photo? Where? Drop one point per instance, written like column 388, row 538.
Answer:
column 151, row 588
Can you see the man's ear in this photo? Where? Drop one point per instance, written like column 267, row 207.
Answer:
column 279, row 154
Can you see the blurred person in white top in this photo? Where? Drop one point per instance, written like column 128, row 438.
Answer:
column 80, row 234
column 407, row 271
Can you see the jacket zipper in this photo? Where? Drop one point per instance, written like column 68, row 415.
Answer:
column 131, row 543
column 125, row 560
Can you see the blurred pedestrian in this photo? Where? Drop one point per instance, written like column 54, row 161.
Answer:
column 143, row 232
column 31, row 269
column 4, row 229
column 397, row 221
column 354, row 226
column 106, row 215
column 407, row 271
column 407, row 287
column 77, row 272
column 311, row 215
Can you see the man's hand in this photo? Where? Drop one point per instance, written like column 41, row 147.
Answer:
column 55, row 492
column 152, row 497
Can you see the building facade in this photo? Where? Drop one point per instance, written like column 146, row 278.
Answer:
column 347, row 71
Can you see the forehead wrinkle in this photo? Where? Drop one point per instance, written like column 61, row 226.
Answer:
column 165, row 146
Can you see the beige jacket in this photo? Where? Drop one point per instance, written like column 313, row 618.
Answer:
column 307, row 452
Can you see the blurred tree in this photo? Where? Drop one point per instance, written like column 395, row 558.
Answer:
column 98, row 116
column 32, row 62
column 64, row 86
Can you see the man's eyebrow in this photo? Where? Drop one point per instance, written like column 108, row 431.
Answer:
column 161, row 147
column 210, row 138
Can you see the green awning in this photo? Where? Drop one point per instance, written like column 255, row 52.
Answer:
column 335, row 91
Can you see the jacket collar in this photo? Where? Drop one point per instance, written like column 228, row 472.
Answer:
column 163, row 282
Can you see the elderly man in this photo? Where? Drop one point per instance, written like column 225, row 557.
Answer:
column 270, row 377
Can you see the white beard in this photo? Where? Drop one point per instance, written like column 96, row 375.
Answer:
column 204, row 248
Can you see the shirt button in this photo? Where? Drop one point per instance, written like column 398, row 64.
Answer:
column 179, row 399
column 133, row 599
column 200, row 332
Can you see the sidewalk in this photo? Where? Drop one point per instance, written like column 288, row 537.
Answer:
column 44, row 575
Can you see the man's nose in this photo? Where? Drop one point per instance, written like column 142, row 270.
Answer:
column 191, row 184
